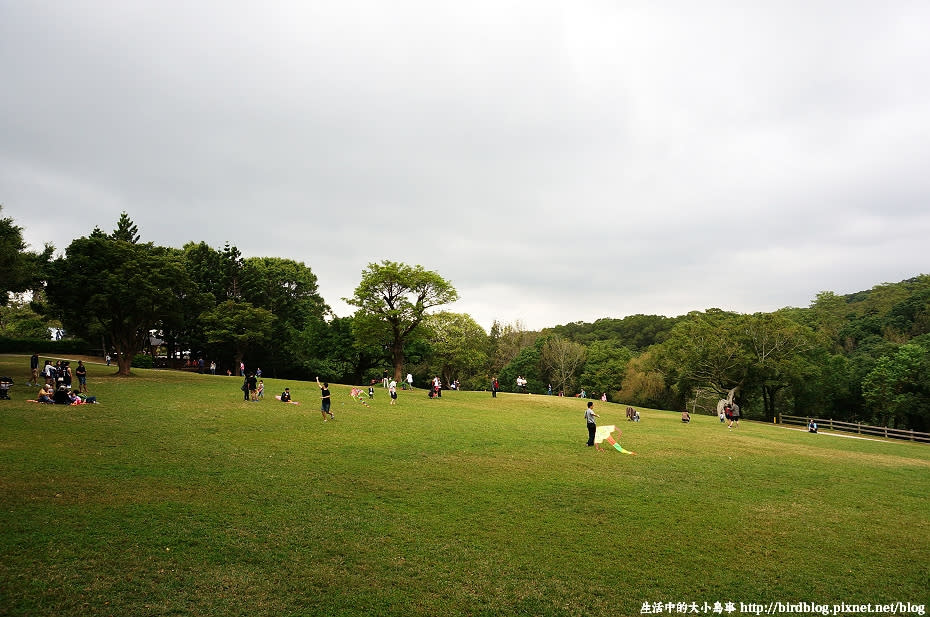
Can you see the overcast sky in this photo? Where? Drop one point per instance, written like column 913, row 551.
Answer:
column 555, row 161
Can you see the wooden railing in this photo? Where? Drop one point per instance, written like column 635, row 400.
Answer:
column 857, row 427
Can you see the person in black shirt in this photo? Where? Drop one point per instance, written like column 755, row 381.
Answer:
column 325, row 400
column 81, row 373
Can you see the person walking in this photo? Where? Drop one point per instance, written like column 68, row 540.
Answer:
column 392, row 388
column 589, row 416
column 325, row 400
column 734, row 415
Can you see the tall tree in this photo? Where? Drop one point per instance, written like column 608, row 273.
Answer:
column 392, row 300
column 562, row 360
column 126, row 230
column 605, row 367
column 118, row 287
column 506, row 343
column 778, row 350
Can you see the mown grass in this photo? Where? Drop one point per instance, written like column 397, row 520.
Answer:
column 174, row 496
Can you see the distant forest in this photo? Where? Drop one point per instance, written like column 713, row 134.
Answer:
column 858, row 357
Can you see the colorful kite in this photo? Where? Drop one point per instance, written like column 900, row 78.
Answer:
column 618, row 447
column 356, row 393
column 603, row 433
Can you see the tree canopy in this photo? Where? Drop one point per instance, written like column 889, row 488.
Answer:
column 107, row 285
column 392, row 300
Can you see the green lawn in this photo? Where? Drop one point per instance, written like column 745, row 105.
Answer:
column 174, row 496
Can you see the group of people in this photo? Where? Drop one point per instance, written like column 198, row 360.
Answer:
column 63, row 395
column 58, row 374
column 253, row 388
column 729, row 413
column 325, row 399
column 58, row 378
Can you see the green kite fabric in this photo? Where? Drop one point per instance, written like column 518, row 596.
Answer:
column 617, row 446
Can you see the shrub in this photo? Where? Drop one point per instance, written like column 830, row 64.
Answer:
column 142, row 361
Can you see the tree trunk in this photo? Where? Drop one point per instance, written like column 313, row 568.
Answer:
column 125, row 350
column 397, row 352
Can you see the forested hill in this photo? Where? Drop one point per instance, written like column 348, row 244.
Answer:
column 637, row 332
column 863, row 356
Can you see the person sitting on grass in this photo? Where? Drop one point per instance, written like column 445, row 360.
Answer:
column 685, row 416
column 44, row 396
column 77, row 399
column 812, row 426
column 285, row 397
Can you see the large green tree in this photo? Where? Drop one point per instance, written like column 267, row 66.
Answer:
column 121, row 288
column 20, row 270
column 605, row 367
column 392, row 300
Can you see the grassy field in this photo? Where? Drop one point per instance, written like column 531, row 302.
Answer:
column 176, row 497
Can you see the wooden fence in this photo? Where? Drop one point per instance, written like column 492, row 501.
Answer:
column 857, row 427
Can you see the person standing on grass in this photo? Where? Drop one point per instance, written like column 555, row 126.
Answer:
column 253, row 387
column 495, row 386
column 393, row 390
column 34, row 369
column 589, row 416
column 81, row 373
column 325, row 400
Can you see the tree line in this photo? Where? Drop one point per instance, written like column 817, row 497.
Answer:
column 859, row 357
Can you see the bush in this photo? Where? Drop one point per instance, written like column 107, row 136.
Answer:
column 142, row 361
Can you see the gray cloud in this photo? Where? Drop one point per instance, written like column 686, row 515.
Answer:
column 555, row 163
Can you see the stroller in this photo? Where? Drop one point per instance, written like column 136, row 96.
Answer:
column 5, row 384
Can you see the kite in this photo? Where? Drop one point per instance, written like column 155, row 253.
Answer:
column 357, row 395
column 603, row 433
column 618, row 447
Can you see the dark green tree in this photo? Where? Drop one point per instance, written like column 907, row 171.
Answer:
column 238, row 327
column 126, row 230
column 288, row 289
column 120, row 288
column 605, row 367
